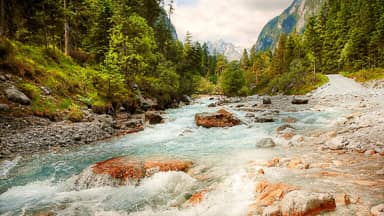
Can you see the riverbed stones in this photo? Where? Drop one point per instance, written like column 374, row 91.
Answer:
column 266, row 143
column 299, row 101
column 267, row 100
column 264, row 119
column 336, row 143
column 17, row 96
column 221, row 118
column 289, row 120
column 284, row 127
column 4, row 107
column 301, row 203
column 377, row 210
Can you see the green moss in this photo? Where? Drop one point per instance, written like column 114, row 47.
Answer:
column 365, row 74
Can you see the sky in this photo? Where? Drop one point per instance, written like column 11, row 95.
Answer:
column 235, row 21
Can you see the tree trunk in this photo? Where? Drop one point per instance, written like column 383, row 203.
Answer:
column 66, row 30
column 2, row 19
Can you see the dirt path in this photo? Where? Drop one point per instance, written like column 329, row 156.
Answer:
column 340, row 85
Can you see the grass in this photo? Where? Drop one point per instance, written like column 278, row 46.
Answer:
column 321, row 79
column 365, row 75
column 49, row 67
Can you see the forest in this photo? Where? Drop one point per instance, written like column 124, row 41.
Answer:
column 109, row 53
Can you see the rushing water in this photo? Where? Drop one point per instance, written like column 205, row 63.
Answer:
column 44, row 183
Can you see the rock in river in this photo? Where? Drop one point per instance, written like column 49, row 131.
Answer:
column 221, row 118
column 266, row 143
column 153, row 117
column 301, row 203
column 126, row 171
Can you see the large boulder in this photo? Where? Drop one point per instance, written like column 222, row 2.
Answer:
column 266, row 143
column 301, row 203
column 126, row 171
column 221, row 118
column 17, row 96
column 153, row 117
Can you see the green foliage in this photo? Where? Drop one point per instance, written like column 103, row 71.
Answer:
column 232, row 80
column 75, row 114
column 207, row 87
column 31, row 90
column 366, row 74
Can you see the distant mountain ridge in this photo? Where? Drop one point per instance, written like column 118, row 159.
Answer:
column 229, row 50
column 292, row 19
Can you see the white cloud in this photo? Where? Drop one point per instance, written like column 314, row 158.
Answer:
column 236, row 21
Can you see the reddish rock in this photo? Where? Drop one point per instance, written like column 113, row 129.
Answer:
column 221, row 118
column 197, row 197
column 269, row 193
column 297, row 163
column 123, row 168
column 288, row 135
column 163, row 165
column 273, row 163
column 126, row 168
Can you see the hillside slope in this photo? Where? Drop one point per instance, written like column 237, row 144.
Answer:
column 293, row 18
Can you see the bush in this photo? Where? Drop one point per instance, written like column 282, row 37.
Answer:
column 207, row 87
column 75, row 114
column 46, row 108
column 31, row 90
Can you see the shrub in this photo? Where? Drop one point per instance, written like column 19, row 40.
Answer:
column 46, row 108
column 31, row 90
column 75, row 114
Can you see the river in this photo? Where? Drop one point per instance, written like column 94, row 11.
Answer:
column 45, row 182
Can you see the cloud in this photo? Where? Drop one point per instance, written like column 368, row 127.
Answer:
column 236, row 21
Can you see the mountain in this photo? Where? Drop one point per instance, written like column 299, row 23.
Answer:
column 229, row 50
column 293, row 18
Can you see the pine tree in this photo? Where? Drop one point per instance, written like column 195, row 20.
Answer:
column 244, row 62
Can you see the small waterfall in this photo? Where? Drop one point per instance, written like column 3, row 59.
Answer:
column 89, row 179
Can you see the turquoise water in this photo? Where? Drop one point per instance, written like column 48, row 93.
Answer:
column 45, row 183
